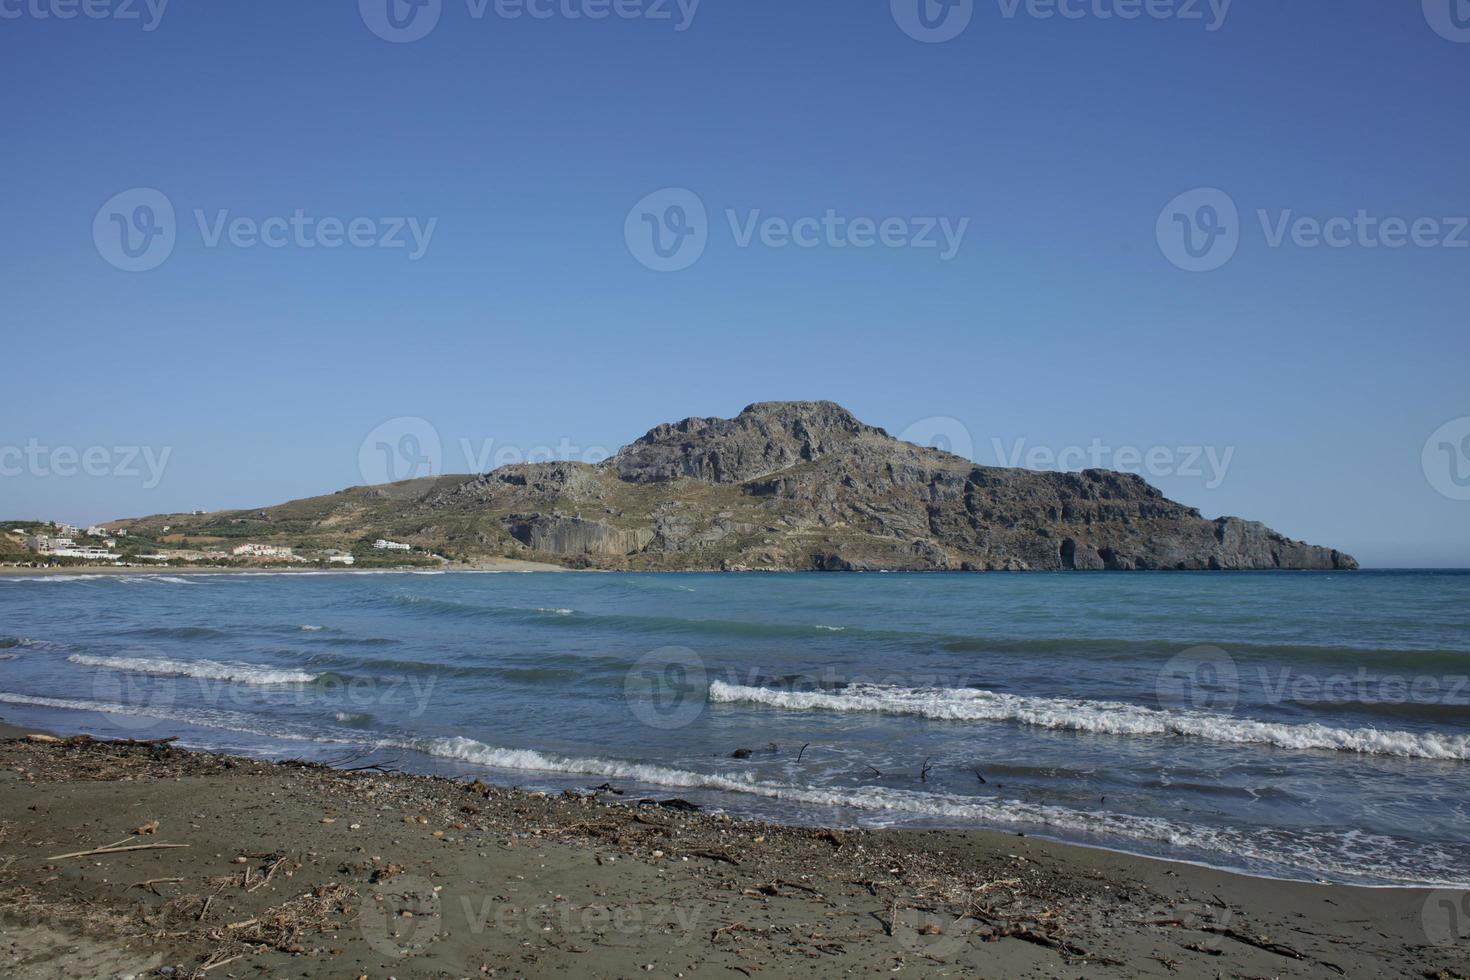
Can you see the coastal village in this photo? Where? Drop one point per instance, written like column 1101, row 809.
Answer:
column 57, row 543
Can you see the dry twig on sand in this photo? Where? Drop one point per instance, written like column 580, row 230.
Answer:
column 114, row 850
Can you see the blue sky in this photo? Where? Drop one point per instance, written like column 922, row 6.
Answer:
column 525, row 150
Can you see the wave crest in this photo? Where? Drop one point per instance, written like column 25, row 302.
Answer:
column 1098, row 717
column 207, row 669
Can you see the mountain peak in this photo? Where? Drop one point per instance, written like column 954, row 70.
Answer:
column 764, row 438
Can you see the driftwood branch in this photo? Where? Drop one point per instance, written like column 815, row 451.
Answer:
column 113, row 850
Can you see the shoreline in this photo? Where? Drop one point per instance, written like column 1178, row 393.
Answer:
column 540, row 884
column 487, row 565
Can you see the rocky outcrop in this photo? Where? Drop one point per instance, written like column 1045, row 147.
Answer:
column 555, row 535
column 813, row 469
column 765, row 438
column 799, row 485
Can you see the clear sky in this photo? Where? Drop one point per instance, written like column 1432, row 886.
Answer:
column 528, row 312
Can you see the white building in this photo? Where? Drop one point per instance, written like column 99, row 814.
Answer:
column 342, row 559
column 383, row 545
column 97, row 532
column 48, row 545
column 90, row 553
column 261, row 551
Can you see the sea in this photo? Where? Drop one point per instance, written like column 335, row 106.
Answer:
column 1301, row 725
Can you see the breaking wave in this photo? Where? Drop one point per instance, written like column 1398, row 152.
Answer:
column 208, row 669
column 1353, row 856
column 1099, row 717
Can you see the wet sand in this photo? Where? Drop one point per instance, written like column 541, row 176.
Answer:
column 294, row 869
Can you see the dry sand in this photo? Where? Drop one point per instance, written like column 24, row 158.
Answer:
column 298, row 870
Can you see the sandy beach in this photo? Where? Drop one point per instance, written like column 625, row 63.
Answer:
column 482, row 565
column 142, row 859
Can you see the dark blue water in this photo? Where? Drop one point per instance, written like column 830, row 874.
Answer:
column 1312, row 725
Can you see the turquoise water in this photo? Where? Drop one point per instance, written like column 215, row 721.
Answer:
column 1311, row 725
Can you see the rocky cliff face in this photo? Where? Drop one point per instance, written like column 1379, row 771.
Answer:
column 792, row 485
column 764, row 439
column 795, row 485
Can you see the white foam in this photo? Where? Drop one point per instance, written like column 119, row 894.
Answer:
column 208, row 669
column 557, row 612
column 1101, row 717
column 164, row 710
column 830, row 629
column 1355, row 855
column 24, row 643
column 1352, row 856
column 312, row 629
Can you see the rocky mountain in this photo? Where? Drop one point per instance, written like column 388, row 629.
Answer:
column 783, row 485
